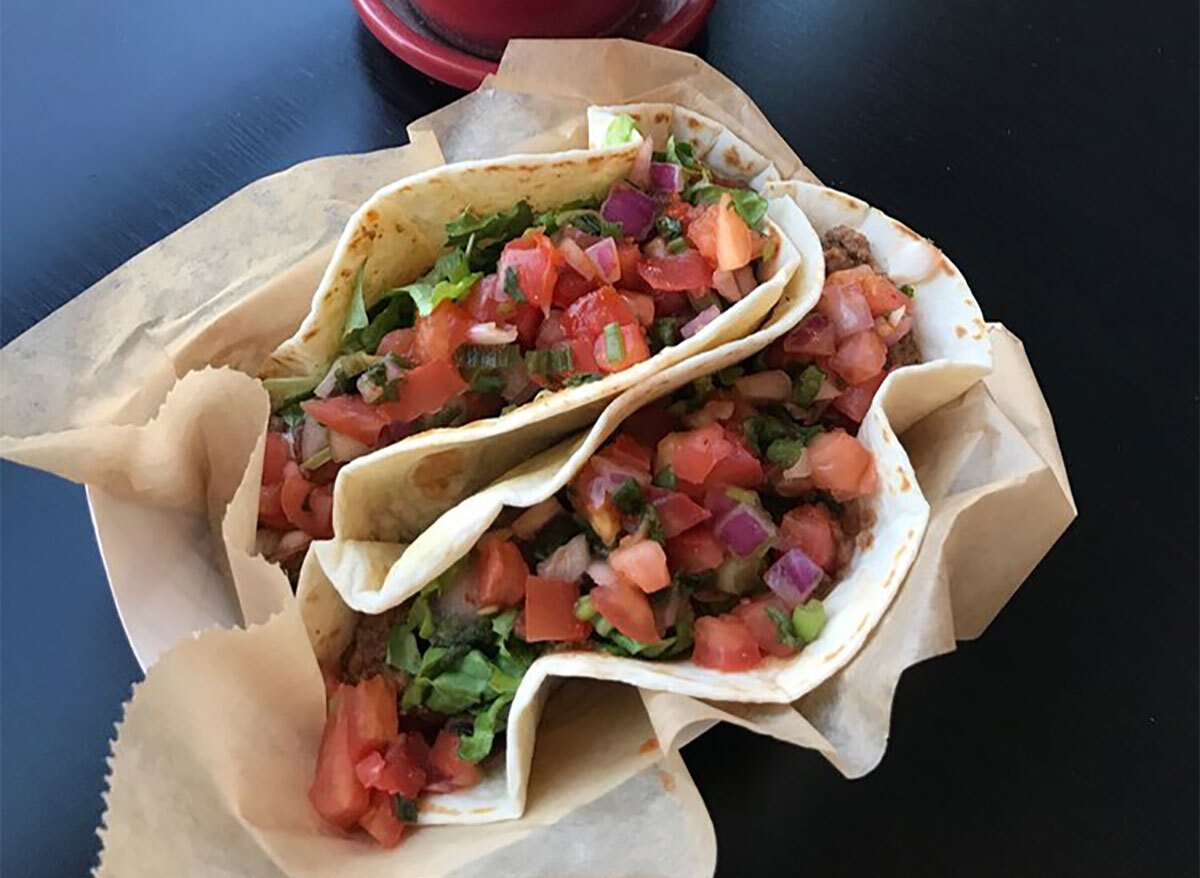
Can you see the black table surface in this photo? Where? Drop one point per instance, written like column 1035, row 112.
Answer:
column 1049, row 148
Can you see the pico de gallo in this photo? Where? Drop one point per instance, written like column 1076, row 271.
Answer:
column 711, row 526
column 519, row 304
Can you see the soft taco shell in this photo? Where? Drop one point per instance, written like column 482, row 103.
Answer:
column 955, row 356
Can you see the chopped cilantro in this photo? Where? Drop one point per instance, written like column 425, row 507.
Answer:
column 512, row 285
column 404, row 808
column 628, row 497
column 784, row 632
column 908, row 290
column 665, row 478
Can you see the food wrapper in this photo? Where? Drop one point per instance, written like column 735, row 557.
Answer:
column 164, row 425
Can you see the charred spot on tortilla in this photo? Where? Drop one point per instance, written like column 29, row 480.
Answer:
column 434, row 476
column 960, row 331
column 648, row 746
column 693, row 122
column 667, row 780
column 661, row 117
column 862, row 624
column 733, row 158
column 372, row 215
column 905, row 484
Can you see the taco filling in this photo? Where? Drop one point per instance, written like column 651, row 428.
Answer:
column 519, row 304
column 710, row 527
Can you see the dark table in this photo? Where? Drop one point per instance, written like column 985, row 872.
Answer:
column 1050, row 148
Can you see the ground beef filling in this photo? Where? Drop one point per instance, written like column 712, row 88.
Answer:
column 366, row 655
column 844, row 248
column 903, row 353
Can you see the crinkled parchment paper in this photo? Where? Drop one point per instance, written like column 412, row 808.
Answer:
column 204, row 776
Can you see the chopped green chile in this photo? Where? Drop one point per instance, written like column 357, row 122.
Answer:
column 614, row 343
column 808, row 620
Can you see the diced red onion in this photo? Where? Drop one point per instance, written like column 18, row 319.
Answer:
column 392, row 369
column 714, row 410
column 666, row 177
column 847, row 309
column 550, row 333
column 490, row 333
column 518, row 387
column 639, row 174
column 314, row 437
column 746, row 280
column 718, row 502
column 813, row 337
column 576, row 258
column 533, row 519
column 701, row 320
column 793, row 577
column 726, row 284
column 603, row 255
column 770, row 386
column 368, row 388
column 328, row 384
column 609, row 477
column 634, row 210
column 568, row 561
column 656, row 248
column 343, row 447
column 580, row 237
column 744, row 530
column 601, row 573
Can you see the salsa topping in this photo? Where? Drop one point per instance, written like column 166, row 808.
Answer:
column 520, row 302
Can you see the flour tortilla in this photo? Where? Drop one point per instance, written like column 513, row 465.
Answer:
column 374, row 576
column 956, row 353
column 400, row 232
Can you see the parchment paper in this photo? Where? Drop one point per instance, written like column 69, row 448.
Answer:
column 204, row 775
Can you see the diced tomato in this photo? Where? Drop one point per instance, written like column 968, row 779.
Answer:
column 450, row 772
column 488, row 303
column 633, row 349
column 536, row 262
column 584, row 356
column 423, row 391
column 737, row 467
column 671, row 304
column 679, row 209
column 733, row 237
column 859, row 357
column 528, row 320
column 588, row 316
column 308, row 507
column 642, row 564
column 856, row 399
column 641, row 305
column 692, row 455
column 399, row 342
column 381, row 822
column 348, row 415
column 371, row 714
column 401, row 769
column 336, row 792
column 724, row 643
column 695, row 550
column 628, row 609
column 841, row 465
column 762, row 627
column 276, row 453
column 649, row 424
column 881, row 294
column 270, row 509
column 628, row 256
column 684, row 271
column 550, row 333
column 677, row 512
column 571, row 286
column 627, row 451
column 502, row 573
column 813, row 337
column 702, row 232
column 440, row 334
column 550, row 611
column 810, row 529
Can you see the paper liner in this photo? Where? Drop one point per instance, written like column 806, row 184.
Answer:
column 225, row 290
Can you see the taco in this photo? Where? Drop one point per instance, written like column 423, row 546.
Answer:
column 475, row 313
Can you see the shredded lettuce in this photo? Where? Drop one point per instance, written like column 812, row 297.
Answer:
column 356, row 316
column 680, row 153
column 620, row 130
